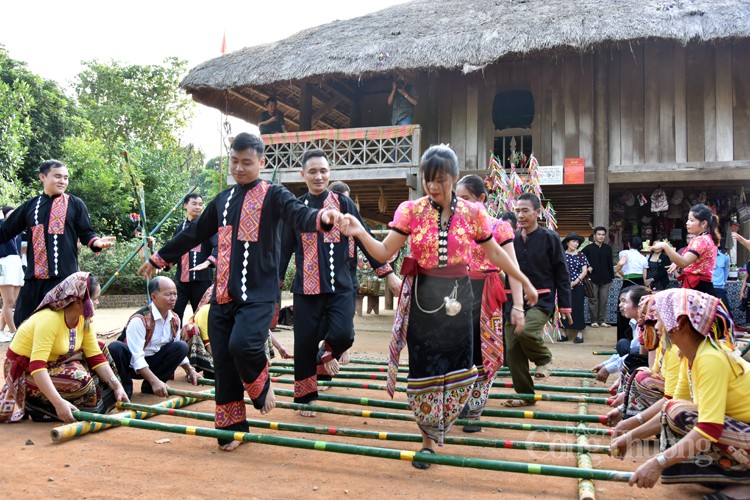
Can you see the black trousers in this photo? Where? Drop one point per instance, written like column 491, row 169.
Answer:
column 238, row 334
column 191, row 292
column 162, row 364
column 328, row 317
column 31, row 295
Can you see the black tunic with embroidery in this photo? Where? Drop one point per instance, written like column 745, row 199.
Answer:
column 197, row 255
column 245, row 218
column 323, row 260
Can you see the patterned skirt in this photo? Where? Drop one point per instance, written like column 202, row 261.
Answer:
column 199, row 356
column 72, row 377
column 726, row 462
column 479, row 394
column 441, row 369
column 644, row 388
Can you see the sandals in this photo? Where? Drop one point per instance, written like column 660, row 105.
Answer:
column 517, row 403
column 578, row 340
column 423, row 465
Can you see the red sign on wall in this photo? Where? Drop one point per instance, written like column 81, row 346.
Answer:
column 574, row 170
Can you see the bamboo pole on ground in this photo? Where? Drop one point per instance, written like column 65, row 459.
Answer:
column 494, row 395
column 410, row 418
column 586, row 488
column 410, row 456
column 489, row 412
column 503, row 372
column 386, row 436
column 69, row 431
column 603, row 353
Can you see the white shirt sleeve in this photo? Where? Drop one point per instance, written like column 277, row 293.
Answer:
column 136, row 340
column 614, row 364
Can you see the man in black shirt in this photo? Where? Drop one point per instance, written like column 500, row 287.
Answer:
column 601, row 269
column 271, row 120
column 540, row 257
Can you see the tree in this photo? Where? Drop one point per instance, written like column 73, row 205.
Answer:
column 15, row 127
column 52, row 116
column 132, row 104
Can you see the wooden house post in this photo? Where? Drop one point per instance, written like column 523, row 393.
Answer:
column 601, row 141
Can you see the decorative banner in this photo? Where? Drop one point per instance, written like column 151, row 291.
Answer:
column 574, row 170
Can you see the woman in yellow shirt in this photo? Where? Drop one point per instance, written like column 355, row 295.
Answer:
column 705, row 439
column 55, row 364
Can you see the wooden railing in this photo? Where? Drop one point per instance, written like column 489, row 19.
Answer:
column 346, row 148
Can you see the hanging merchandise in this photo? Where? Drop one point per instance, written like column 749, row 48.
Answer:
column 659, row 201
column 677, row 197
column 642, row 200
column 674, row 211
column 742, row 209
column 629, row 199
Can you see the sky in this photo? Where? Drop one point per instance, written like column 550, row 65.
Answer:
column 53, row 37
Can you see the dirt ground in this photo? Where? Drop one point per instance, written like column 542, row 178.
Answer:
column 133, row 463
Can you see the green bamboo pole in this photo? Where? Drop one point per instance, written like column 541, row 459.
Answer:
column 75, row 429
column 153, row 231
column 603, row 353
column 503, row 372
column 410, row 418
column 489, row 412
column 586, row 488
column 385, row 363
column 493, row 395
column 496, row 383
column 410, row 456
column 385, row 436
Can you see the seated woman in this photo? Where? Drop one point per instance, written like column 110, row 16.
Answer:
column 55, row 364
column 647, row 388
column 706, row 435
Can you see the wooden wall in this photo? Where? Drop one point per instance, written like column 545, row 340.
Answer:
column 666, row 104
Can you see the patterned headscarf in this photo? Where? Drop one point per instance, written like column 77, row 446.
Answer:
column 647, row 318
column 706, row 313
column 74, row 287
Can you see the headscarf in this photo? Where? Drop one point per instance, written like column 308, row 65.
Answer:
column 647, row 335
column 706, row 313
column 74, row 287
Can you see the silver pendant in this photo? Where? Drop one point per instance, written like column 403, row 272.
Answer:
column 452, row 305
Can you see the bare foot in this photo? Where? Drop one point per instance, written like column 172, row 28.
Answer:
column 323, row 388
column 270, row 402
column 308, row 413
column 230, row 446
column 345, row 358
column 332, row 367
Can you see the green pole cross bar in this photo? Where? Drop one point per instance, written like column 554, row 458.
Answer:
column 370, row 451
column 386, row 436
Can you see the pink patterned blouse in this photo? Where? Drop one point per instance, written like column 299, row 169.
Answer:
column 702, row 246
column 470, row 224
column 503, row 233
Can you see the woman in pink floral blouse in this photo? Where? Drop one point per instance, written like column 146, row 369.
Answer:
column 699, row 258
column 434, row 316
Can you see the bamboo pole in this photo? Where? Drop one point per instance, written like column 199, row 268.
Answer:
column 385, row 363
column 410, row 418
column 603, row 353
column 69, row 431
column 494, row 395
column 385, row 436
column 410, row 456
column 489, row 412
column 503, row 372
column 496, row 383
column 586, row 488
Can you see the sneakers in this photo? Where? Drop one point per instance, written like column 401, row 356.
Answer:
column 5, row 337
column 603, row 325
column 594, row 325
column 543, row 370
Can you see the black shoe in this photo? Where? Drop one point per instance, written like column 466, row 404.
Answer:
column 470, row 429
column 578, row 340
column 563, row 338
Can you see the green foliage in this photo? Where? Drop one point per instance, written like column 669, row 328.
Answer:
column 15, row 127
column 52, row 116
column 130, row 104
column 105, row 263
column 289, row 276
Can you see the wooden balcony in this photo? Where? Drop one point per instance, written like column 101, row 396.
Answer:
column 379, row 164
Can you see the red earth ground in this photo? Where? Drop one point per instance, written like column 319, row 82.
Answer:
column 133, row 463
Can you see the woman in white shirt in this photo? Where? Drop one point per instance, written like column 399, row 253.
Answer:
column 630, row 268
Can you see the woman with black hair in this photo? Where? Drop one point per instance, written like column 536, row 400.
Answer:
column 434, row 316
column 699, row 259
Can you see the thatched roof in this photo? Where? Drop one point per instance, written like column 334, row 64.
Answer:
column 467, row 35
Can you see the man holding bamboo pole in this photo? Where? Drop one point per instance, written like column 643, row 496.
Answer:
column 246, row 218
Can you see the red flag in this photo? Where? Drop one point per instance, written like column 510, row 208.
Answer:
column 224, row 44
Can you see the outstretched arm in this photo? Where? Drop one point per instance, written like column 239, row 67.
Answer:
column 380, row 250
column 502, row 260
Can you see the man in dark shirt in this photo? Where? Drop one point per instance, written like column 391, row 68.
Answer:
column 540, row 257
column 601, row 270
column 55, row 222
column 271, row 120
